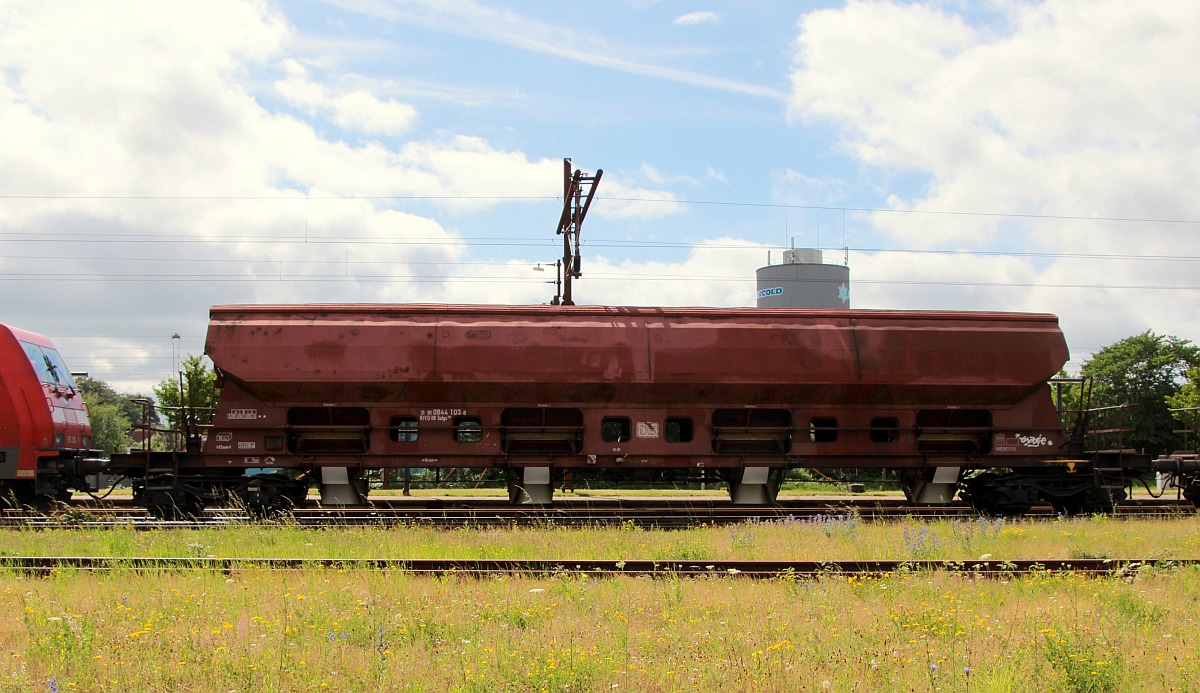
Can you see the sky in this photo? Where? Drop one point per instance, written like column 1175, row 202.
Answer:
column 157, row 158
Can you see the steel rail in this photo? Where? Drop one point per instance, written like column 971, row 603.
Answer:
column 663, row 515
column 45, row 565
column 628, row 503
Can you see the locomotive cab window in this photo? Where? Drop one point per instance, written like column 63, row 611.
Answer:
column 468, row 429
column 615, row 429
column 403, row 429
column 885, row 429
column 48, row 365
column 822, row 429
column 678, row 430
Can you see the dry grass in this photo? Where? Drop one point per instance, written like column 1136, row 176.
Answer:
column 833, row 537
column 371, row 630
column 290, row 631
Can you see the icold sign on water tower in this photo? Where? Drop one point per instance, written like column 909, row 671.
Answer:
column 803, row 281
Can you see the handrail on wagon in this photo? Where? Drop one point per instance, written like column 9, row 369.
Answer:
column 1192, row 422
column 191, row 429
column 1091, row 428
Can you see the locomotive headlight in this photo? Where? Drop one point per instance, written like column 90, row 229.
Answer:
column 58, row 439
column 87, row 442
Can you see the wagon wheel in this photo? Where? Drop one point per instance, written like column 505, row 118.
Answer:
column 1103, row 500
column 165, row 505
column 1191, row 492
column 1074, row 504
column 21, row 495
column 17, row 495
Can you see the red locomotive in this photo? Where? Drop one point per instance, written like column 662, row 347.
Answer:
column 949, row 401
column 45, row 438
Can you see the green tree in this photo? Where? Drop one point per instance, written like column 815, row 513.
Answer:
column 1067, row 394
column 110, row 428
column 1143, row 370
column 111, row 415
column 198, row 394
column 1188, row 397
column 97, row 392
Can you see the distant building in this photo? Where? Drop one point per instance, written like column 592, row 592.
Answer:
column 803, row 281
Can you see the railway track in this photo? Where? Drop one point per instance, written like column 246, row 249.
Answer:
column 649, row 513
column 46, row 565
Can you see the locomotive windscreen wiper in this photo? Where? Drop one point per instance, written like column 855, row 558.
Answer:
column 53, row 369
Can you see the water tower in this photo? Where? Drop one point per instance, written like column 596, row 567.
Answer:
column 803, row 281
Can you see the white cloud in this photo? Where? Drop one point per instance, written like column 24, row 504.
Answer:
column 141, row 165
column 618, row 200
column 999, row 121
column 1066, row 110
column 356, row 110
column 715, row 272
column 697, row 18
column 653, row 176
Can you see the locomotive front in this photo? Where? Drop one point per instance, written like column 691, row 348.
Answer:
column 45, row 436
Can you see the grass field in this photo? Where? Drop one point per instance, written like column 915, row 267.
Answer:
column 373, row 630
column 830, row 537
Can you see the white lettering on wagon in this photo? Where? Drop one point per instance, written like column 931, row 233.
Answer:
column 1012, row 443
column 647, row 429
column 1033, row 441
column 242, row 414
column 440, row 415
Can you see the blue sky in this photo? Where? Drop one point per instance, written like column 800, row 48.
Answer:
column 691, row 104
column 159, row 158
